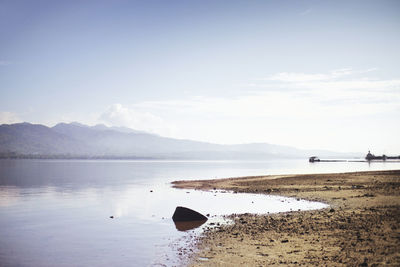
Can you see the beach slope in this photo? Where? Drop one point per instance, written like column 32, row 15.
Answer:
column 361, row 227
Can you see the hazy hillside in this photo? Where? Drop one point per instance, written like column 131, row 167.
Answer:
column 26, row 138
column 76, row 139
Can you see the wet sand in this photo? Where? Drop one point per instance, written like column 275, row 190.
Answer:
column 360, row 228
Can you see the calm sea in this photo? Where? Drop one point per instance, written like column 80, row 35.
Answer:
column 57, row 212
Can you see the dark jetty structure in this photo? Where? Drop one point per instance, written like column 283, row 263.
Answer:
column 314, row 159
column 370, row 157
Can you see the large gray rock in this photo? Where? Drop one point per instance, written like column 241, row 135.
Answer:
column 183, row 214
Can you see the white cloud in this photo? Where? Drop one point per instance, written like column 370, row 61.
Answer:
column 351, row 85
column 322, row 99
column 9, row 118
column 339, row 110
column 337, row 91
column 295, row 77
column 119, row 115
column 306, row 111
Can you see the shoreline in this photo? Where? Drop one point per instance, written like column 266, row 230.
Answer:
column 361, row 227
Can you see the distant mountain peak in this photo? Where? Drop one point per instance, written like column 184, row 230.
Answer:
column 127, row 130
column 78, row 139
column 62, row 124
column 75, row 123
column 100, row 126
column 19, row 123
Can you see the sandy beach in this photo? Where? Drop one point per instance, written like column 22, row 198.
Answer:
column 361, row 227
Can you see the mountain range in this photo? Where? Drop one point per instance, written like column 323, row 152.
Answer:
column 75, row 140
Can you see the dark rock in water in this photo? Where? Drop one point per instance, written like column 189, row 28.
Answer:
column 183, row 214
column 185, row 226
column 111, row 217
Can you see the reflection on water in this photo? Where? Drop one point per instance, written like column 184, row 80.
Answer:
column 58, row 212
column 9, row 195
column 188, row 225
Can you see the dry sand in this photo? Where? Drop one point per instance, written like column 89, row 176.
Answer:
column 360, row 228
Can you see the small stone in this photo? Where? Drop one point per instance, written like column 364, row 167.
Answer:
column 111, row 217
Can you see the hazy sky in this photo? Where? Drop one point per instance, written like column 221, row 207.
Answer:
column 311, row 74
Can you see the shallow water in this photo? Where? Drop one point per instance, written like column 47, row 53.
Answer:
column 55, row 212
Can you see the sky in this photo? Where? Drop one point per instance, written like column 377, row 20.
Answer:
column 309, row 74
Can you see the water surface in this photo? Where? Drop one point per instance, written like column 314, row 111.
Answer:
column 57, row 212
